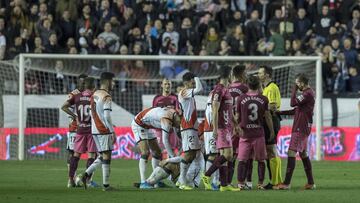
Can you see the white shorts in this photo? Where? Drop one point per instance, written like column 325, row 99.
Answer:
column 70, row 140
column 210, row 143
column 141, row 133
column 103, row 142
column 190, row 140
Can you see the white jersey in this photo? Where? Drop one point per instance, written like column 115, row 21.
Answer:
column 100, row 113
column 156, row 117
column 208, row 113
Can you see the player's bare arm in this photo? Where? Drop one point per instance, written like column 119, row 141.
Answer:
column 165, row 127
column 66, row 108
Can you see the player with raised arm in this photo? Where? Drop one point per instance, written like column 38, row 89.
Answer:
column 236, row 88
column 83, row 140
column 73, row 124
column 272, row 92
column 189, row 124
column 166, row 99
column 252, row 109
column 210, row 143
column 222, row 121
column 102, row 129
column 303, row 113
column 163, row 118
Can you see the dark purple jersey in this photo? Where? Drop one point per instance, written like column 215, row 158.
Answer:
column 251, row 110
column 81, row 102
column 166, row 101
column 303, row 111
column 221, row 94
column 236, row 89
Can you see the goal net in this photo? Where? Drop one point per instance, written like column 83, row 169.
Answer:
column 39, row 84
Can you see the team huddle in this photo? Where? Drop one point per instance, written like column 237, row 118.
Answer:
column 242, row 119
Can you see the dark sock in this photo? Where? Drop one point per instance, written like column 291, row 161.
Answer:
column 216, row 165
column 261, row 171
column 249, row 170
column 231, row 166
column 223, row 172
column 89, row 162
column 289, row 170
column 268, row 167
column 242, row 170
column 74, row 161
column 308, row 170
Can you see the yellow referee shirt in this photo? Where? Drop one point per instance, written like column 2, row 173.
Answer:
column 272, row 92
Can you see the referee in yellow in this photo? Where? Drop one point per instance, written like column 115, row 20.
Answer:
column 272, row 92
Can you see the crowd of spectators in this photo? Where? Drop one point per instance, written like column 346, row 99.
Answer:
column 330, row 28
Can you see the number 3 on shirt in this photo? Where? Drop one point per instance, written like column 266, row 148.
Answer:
column 254, row 112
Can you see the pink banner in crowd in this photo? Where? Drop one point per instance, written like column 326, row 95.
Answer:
column 338, row 143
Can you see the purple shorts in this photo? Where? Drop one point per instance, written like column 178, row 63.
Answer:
column 298, row 142
column 84, row 143
column 252, row 148
column 224, row 139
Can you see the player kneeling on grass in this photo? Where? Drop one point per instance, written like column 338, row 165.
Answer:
column 301, row 129
column 163, row 118
column 84, row 142
column 252, row 108
column 166, row 168
column 222, row 121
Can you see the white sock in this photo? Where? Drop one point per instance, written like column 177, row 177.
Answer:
column 154, row 163
column 142, row 169
column 157, row 175
column 198, row 165
column 106, row 173
column 94, row 166
column 184, row 167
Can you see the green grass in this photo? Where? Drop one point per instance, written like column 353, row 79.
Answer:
column 45, row 181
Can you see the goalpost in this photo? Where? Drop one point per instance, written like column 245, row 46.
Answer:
column 41, row 66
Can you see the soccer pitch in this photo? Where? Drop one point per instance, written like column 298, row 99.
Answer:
column 45, row 181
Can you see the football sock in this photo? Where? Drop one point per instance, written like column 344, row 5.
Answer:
column 261, row 171
column 89, row 162
column 74, row 161
column 142, row 169
column 275, row 166
column 184, row 167
column 241, row 171
column 308, row 170
column 249, row 169
column 215, row 175
column 154, row 162
column 231, row 165
column 220, row 160
column 93, row 166
column 106, row 172
column 289, row 170
column 223, row 170
column 268, row 166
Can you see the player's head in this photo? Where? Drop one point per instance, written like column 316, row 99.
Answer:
column 238, row 73
column 106, row 80
column 301, row 81
column 253, row 82
column 265, row 73
column 166, row 86
column 89, row 83
column 224, row 73
column 188, row 80
column 80, row 81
